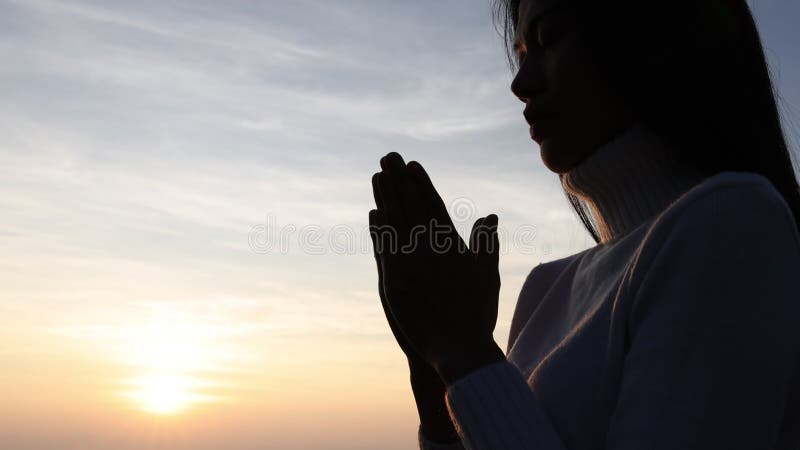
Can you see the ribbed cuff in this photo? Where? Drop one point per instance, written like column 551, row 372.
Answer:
column 425, row 444
column 494, row 408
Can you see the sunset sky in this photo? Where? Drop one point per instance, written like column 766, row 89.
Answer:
column 185, row 188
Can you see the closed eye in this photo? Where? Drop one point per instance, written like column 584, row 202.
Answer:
column 545, row 29
column 552, row 28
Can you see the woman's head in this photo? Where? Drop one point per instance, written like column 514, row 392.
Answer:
column 570, row 107
column 693, row 71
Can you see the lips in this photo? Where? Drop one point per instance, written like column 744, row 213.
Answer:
column 542, row 127
column 541, row 119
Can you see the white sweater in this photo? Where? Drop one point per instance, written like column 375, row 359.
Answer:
column 678, row 331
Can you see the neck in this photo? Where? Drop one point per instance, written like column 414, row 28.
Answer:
column 630, row 179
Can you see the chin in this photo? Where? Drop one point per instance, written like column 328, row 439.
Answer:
column 559, row 155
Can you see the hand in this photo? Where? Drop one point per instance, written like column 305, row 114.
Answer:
column 441, row 294
column 418, row 366
column 428, row 387
column 422, row 374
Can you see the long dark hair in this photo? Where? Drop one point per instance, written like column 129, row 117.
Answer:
column 694, row 71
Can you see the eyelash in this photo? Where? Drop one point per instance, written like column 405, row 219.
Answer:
column 551, row 37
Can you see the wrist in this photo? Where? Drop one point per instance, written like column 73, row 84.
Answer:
column 468, row 358
column 444, row 435
column 429, row 394
column 428, row 388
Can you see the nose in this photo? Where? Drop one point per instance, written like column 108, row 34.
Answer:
column 529, row 79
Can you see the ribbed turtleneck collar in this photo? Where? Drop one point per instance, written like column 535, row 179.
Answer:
column 629, row 180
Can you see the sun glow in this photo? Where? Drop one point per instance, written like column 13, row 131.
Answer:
column 164, row 394
column 172, row 357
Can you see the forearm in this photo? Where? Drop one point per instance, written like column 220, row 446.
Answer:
column 429, row 395
column 430, row 386
column 465, row 358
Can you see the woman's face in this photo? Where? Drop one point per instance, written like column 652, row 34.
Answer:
column 569, row 106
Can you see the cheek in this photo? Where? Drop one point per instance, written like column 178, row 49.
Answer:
column 583, row 95
column 588, row 110
column 572, row 75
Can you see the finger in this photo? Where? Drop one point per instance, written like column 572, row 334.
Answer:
column 494, row 259
column 432, row 200
column 374, row 231
column 392, row 164
column 474, row 235
column 404, row 187
column 382, row 253
column 382, row 234
column 411, row 201
column 374, row 235
column 375, row 221
column 389, row 245
column 392, row 205
column 377, row 242
column 417, row 318
column 414, row 203
column 487, row 260
column 392, row 160
column 411, row 318
column 376, row 191
column 488, row 246
column 437, row 214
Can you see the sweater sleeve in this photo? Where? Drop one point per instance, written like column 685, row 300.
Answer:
column 425, row 444
column 713, row 340
column 494, row 408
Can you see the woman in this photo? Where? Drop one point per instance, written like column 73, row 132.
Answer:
column 678, row 330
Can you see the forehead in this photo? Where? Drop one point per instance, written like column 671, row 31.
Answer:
column 531, row 9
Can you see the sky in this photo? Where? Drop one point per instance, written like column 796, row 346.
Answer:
column 184, row 196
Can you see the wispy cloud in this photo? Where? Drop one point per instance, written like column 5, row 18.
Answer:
column 140, row 142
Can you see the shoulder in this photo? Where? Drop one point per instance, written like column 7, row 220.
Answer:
column 737, row 208
column 732, row 229
column 722, row 205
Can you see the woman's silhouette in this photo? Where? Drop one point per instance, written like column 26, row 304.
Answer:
column 679, row 329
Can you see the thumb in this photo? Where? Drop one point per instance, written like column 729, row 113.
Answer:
column 488, row 247
column 475, row 234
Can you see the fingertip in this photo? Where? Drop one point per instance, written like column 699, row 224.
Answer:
column 395, row 161
column 379, row 179
column 420, row 173
column 417, row 169
column 478, row 222
column 395, row 156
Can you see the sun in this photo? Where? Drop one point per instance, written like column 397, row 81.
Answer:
column 163, row 394
column 171, row 360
